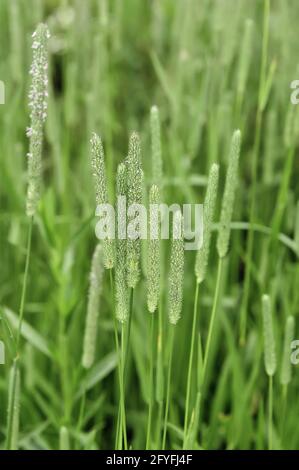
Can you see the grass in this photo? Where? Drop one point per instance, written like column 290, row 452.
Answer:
column 178, row 76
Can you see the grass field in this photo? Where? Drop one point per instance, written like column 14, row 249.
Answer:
column 221, row 378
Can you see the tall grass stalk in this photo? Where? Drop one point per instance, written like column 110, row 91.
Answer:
column 133, row 190
column 124, row 354
column 269, row 360
column 120, row 294
column 212, row 319
column 191, row 354
column 153, row 290
column 176, row 279
column 151, row 381
column 24, row 285
column 123, row 425
column 201, row 263
column 13, row 407
column 168, row 384
column 122, row 313
column 224, row 232
column 38, row 103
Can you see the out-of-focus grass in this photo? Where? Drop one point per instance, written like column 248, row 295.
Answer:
column 110, row 62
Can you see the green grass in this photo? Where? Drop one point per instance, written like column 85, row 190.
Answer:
column 210, row 67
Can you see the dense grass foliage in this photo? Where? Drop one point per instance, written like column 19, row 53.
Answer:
column 208, row 67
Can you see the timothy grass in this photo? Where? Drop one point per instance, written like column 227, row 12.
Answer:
column 160, row 87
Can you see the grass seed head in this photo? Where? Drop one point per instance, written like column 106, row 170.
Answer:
column 176, row 275
column 38, row 103
column 269, row 342
column 153, row 264
column 95, row 289
column 202, row 256
column 134, row 196
column 229, row 195
column 121, row 288
column 100, row 183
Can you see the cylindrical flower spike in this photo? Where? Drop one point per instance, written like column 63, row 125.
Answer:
column 100, row 182
column 134, row 196
column 95, row 289
column 229, row 195
column 202, row 256
column 269, row 342
column 38, row 102
column 153, row 265
column 121, row 288
column 176, row 275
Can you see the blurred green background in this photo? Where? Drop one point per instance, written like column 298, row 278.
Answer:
column 110, row 61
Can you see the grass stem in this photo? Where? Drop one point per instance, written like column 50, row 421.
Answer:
column 171, row 342
column 270, row 412
column 151, row 391
column 24, row 286
column 213, row 317
column 191, row 355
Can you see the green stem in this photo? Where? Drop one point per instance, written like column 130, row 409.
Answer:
column 24, row 286
column 191, row 355
column 172, row 331
column 159, row 424
column 151, row 392
column 123, row 409
column 213, row 317
column 12, row 404
column 124, row 352
column 283, row 407
column 80, row 420
column 160, row 375
column 118, row 437
column 270, row 411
